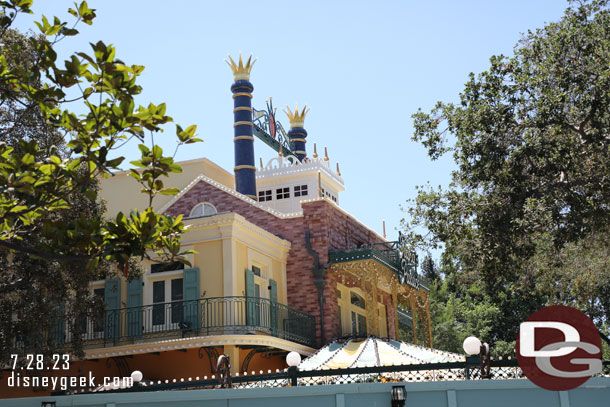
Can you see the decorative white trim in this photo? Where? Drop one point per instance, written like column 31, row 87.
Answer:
column 279, row 166
column 230, row 191
column 259, row 205
column 228, row 218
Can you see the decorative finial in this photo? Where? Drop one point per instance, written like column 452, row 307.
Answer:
column 281, row 151
column 338, row 172
column 296, row 119
column 325, row 154
column 315, row 152
column 241, row 72
column 261, row 158
column 384, row 236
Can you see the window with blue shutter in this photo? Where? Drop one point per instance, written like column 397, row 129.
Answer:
column 273, row 307
column 251, row 299
column 134, row 308
column 191, row 299
column 112, row 297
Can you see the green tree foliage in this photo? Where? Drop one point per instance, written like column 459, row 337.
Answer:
column 526, row 215
column 19, row 122
column 428, row 268
column 458, row 314
column 53, row 239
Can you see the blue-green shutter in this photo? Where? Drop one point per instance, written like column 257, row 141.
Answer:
column 191, row 297
column 112, row 298
column 134, row 308
column 273, row 309
column 251, row 300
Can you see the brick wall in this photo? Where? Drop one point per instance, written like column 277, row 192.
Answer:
column 330, row 229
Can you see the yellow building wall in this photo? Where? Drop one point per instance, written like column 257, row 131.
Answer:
column 210, row 242
column 122, row 193
column 279, row 275
column 210, row 263
column 242, row 265
column 271, row 267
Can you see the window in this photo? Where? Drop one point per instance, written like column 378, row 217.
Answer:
column 358, row 324
column 256, row 270
column 203, row 209
column 353, row 310
column 257, row 304
column 357, row 300
column 300, row 190
column 171, row 312
column 358, row 314
column 282, row 193
column 161, row 267
column 264, row 195
column 257, row 311
column 96, row 323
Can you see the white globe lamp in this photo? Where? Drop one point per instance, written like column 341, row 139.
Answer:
column 472, row 345
column 293, row 359
column 136, row 376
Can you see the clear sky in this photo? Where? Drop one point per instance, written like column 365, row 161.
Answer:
column 364, row 67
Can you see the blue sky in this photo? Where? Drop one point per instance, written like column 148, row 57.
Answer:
column 363, row 68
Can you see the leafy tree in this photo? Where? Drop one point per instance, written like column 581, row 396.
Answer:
column 526, row 215
column 19, row 122
column 428, row 268
column 53, row 239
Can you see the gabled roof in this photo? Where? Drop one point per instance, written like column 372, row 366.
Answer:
column 230, row 191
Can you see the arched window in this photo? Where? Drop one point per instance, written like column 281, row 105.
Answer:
column 203, row 209
column 357, row 300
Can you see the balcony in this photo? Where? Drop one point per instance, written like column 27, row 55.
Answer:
column 207, row 316
column 385, row 254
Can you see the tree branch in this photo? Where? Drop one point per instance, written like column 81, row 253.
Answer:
column 42, row 254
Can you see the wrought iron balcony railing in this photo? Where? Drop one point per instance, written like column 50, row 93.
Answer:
column 385, row 254
column 207, row 316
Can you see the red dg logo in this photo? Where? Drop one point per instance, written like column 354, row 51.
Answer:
column 559, row 348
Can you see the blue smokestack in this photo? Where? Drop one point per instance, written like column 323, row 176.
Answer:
column 245, row 171
column 297, row 133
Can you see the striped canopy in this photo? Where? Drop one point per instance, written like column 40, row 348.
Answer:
column 372, row 351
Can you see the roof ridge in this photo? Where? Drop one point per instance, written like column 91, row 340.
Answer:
column 366, row 344
column 334, row 353
column 210, row 181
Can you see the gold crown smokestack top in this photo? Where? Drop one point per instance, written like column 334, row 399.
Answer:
column 297, row 133
column 243, row 140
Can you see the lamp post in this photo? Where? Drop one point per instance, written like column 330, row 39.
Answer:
column 399, row 396
column 293, row 359
column 136, row 378
column 478, row 355
column 223, row 367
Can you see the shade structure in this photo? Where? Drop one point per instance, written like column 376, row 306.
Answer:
column 372, row 351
